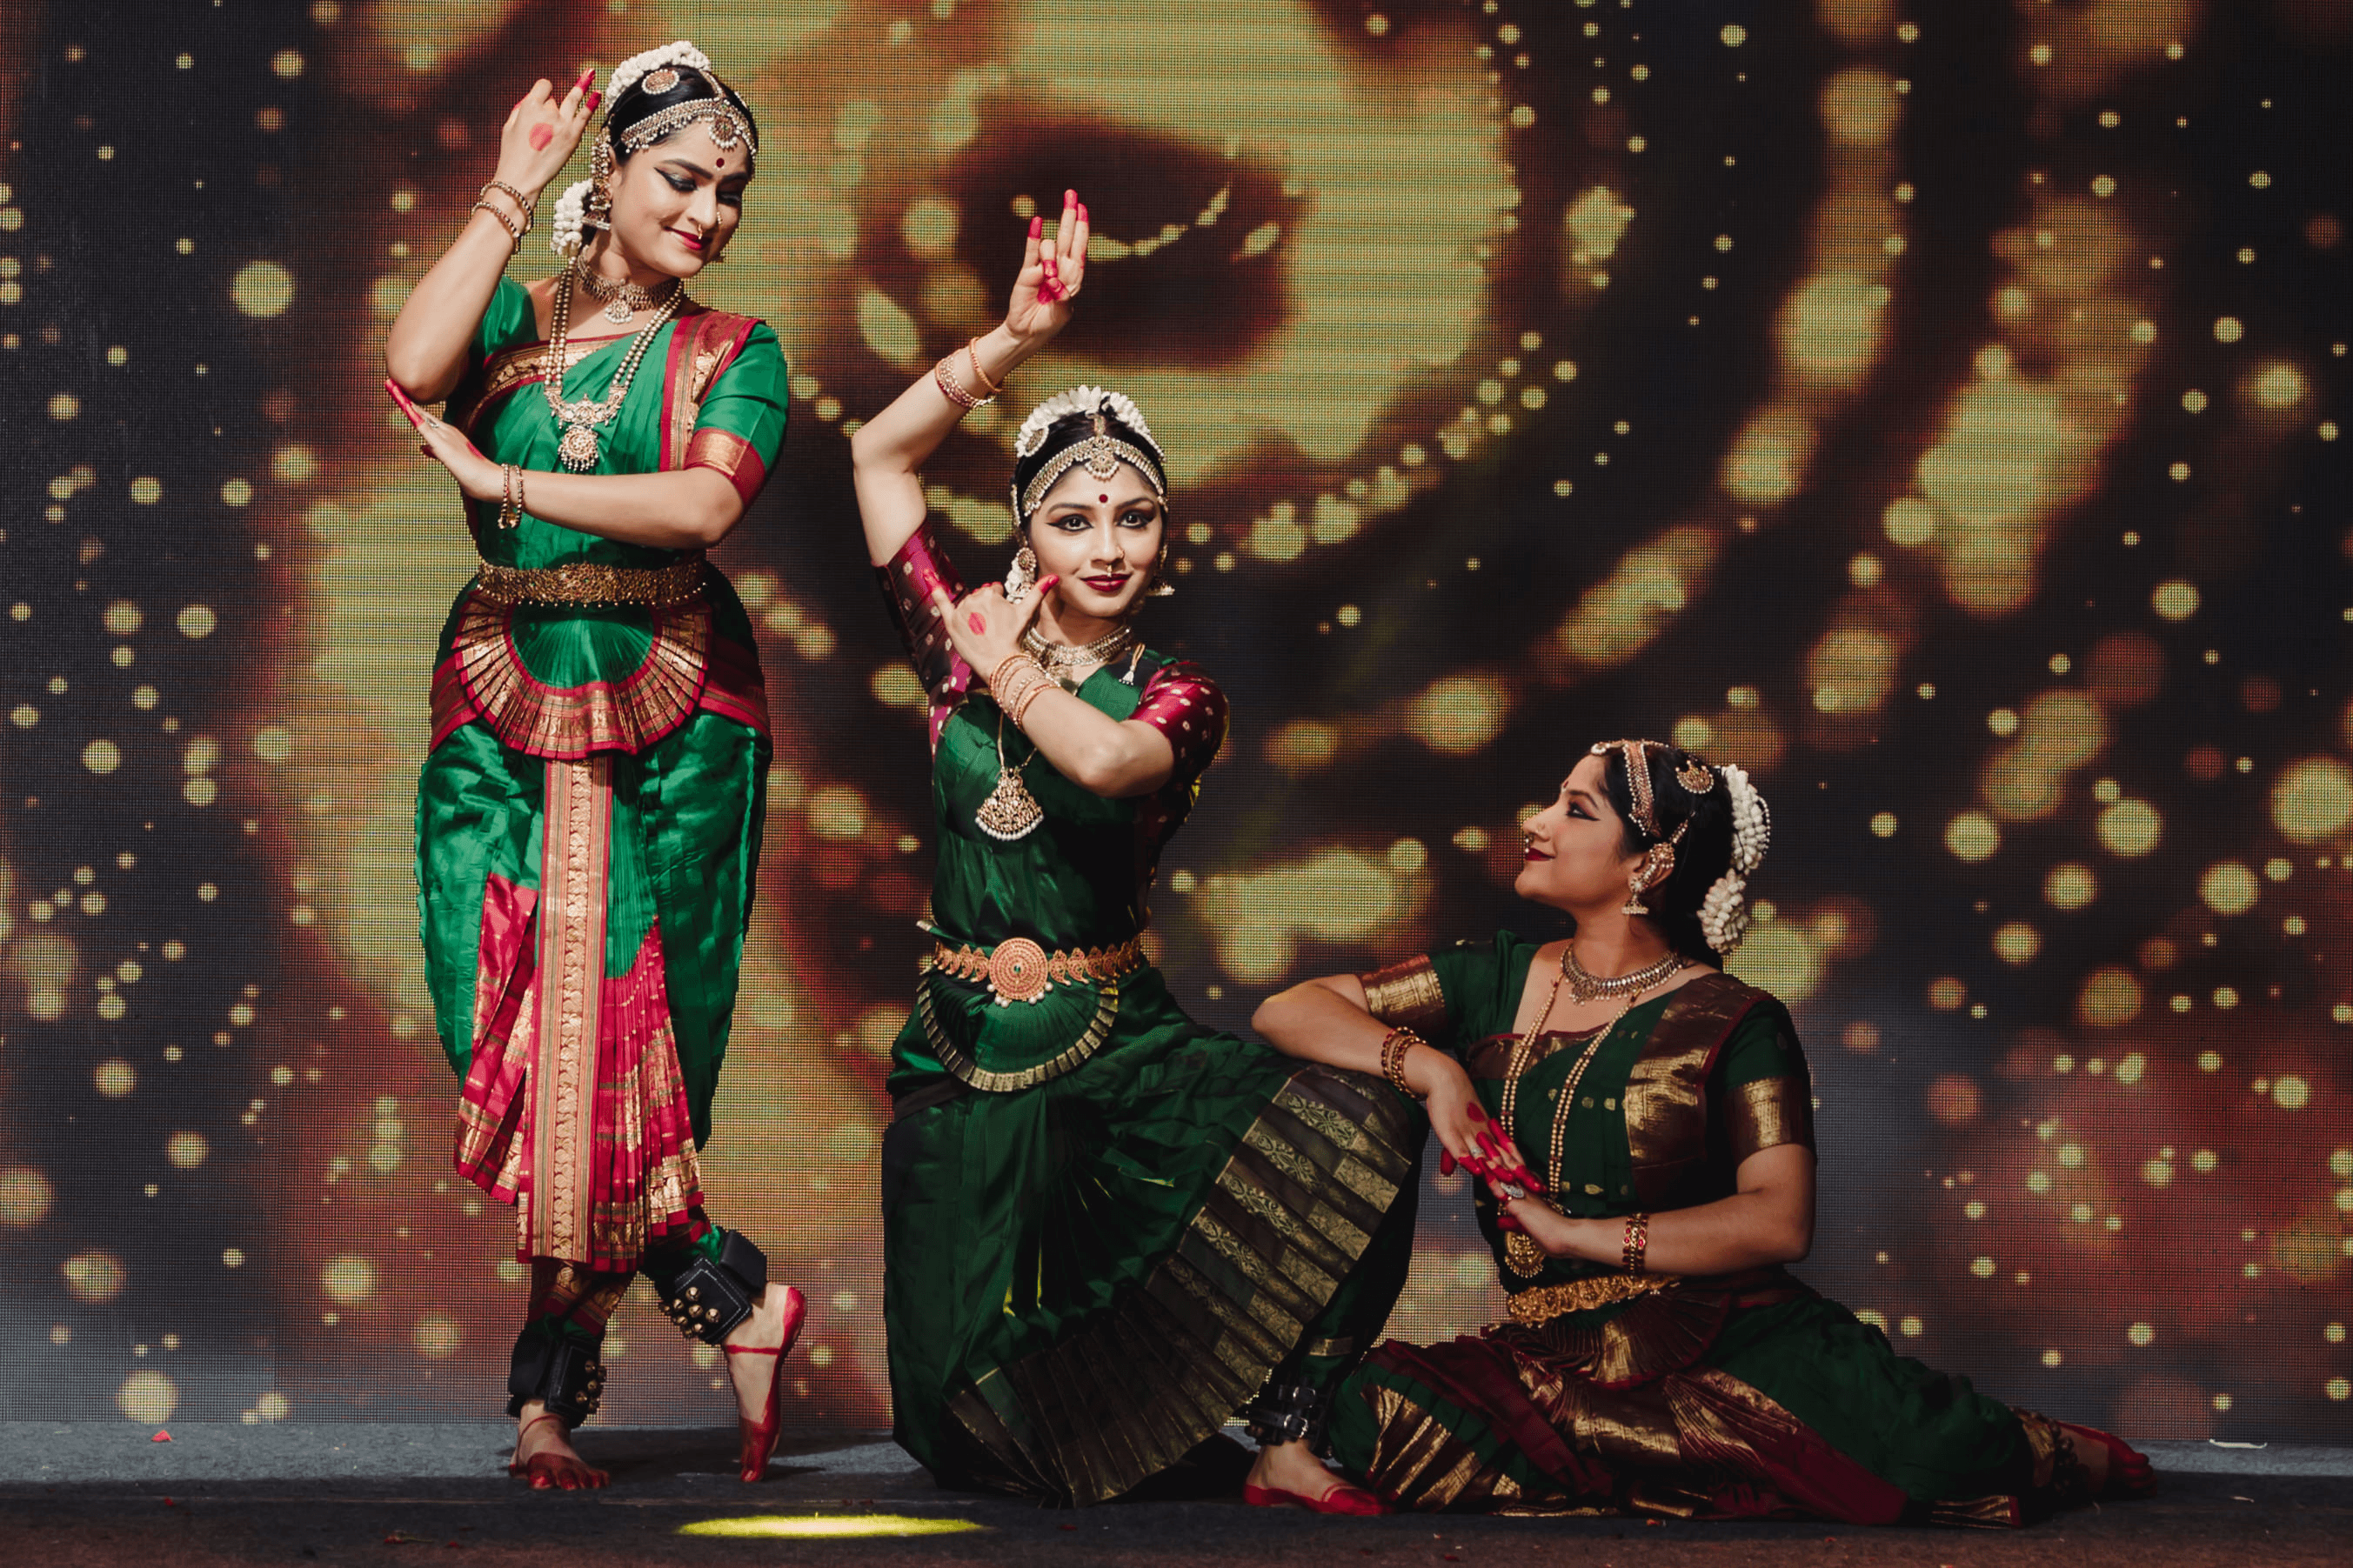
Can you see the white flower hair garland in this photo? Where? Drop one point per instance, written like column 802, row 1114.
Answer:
column 563, row 230
column 1724, row 913
column 1079, row 400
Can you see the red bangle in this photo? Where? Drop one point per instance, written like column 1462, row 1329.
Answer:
column 1637, row 1243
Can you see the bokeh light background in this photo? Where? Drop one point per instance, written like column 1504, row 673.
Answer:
column 1932, row 406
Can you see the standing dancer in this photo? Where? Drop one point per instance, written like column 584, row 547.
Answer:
column 1659, row 1359
column 1105, row 1228
column 588, row 820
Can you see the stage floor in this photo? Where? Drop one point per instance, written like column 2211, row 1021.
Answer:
column 93, row 1493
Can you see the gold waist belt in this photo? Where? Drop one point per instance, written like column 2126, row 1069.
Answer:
column 1548, row 1302
column 585, row 583
column 1021, row 970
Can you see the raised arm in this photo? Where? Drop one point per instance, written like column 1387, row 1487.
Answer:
column 888, row 453
column 425, row 352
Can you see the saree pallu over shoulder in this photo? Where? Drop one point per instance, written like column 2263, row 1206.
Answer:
column 703, row 343
column 1667, row 1108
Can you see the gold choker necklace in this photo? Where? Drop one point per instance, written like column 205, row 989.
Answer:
column 622, row 298
column 1586, row 986
column 1061, row 660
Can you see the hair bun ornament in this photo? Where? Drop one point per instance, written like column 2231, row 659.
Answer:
column 571, row 213
column 1752, row 821
column 1080, row 401
column 1724, row 913
column 678, row 52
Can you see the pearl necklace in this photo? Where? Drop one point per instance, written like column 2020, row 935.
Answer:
column 580, row 418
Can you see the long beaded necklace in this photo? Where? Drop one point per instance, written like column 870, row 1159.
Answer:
column 1063, row 660
column 1520, row 1249
column 580, row 418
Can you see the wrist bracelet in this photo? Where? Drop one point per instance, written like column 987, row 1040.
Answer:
column 953, row 390
column 524, row 204
column 1394, row 1047
column 514, row 231
column 972, row 353
column 1026, row 700
column 510, row 495
column 1637, row 1243
column 1017, row 656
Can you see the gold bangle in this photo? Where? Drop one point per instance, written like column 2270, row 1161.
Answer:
column 1026, row 700
column 953, row 390
column 1395, row 1046
column 1631, row 1252
column 524, row 204
column 1017, row 656
column 514, row 233
column 972, row 351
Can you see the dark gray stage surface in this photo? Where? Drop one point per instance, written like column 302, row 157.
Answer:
column 383, row 1494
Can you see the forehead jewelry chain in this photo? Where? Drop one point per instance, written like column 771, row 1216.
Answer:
column 581, row 418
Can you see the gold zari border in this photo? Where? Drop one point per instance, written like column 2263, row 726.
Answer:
column 583, row 583
column 1547, row 1302
column 1405, row 995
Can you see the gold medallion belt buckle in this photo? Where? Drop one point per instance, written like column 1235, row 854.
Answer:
column 584, row 585
column 1019, row 969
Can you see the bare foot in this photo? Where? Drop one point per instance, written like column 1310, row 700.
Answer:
column 1294, row 1467
column 544, row 1452
column 755, row 1358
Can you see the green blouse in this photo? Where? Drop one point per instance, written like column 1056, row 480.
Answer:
column 1682, row 1088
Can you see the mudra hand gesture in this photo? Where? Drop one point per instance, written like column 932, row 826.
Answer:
column 985, row 626
column 1052, row 269
column 542, row 132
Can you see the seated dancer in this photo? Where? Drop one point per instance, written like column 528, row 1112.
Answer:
column 1657, row 1360
column 588, row 819
column 1105, row 1228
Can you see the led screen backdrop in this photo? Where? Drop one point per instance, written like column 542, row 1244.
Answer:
column 1932, row 407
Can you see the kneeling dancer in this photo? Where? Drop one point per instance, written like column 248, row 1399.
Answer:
column 1105, row 1226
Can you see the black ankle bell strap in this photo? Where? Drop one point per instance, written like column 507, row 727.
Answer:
column 560, row 1371
column 1289, row 1413
column 712, row 1296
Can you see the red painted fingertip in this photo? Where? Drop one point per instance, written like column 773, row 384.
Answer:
column 1070, row 198
column 1036, row 226
column 1445, row 1164
column 594, row 98
column 1047, row 583
column 586, row 77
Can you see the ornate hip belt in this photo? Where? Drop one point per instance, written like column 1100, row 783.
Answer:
column 585, row 584
column 1021, row 970
column 1545, row 1302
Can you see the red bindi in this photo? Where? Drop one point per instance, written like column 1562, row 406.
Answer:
column 722, row 163
column 1106, row 499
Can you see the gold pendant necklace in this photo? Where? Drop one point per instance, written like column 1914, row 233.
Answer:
column 580, row 418
column 1521, row 1252
column 1010, row 812
column 622, row 297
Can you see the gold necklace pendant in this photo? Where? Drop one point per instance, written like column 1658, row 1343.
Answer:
column 619, row 311
column 578, row 450
column 1526, row 1257
column 1010, row 812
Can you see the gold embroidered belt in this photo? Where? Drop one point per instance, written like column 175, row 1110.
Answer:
column 586, row 583
column 1021, row 970
column 1548, row 1302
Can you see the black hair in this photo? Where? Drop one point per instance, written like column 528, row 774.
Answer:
column 1702, row 854
column 1067, row 432
column 635, row 103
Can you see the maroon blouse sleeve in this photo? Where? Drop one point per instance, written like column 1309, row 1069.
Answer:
column 907, row 583
column 1185, row 705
